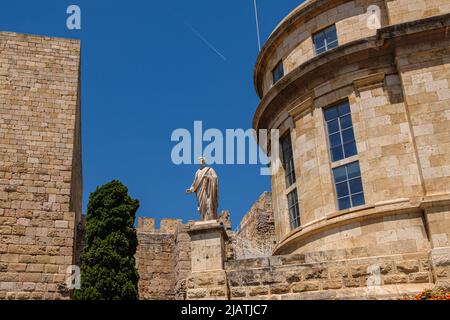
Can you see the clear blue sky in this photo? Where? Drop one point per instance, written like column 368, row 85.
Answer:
column 146, row 71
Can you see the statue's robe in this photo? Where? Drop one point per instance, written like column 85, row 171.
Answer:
column 206, row 184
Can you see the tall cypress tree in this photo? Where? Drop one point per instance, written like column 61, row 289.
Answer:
column 108, row 269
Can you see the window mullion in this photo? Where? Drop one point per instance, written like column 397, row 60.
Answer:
column 342, row 137
column 348, row 187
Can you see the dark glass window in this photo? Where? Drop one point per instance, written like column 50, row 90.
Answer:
column 278, row 72
column 340, row 132
column 288, row 160
column 325, row 40
column 349, row 187
column 294, row 212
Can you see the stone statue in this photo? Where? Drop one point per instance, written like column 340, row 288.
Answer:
column 206, row 185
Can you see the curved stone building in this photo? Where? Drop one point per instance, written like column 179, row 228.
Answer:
column 359, row 91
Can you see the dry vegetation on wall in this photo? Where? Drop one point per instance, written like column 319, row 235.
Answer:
column 430, row 295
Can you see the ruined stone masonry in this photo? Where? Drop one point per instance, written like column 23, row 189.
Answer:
column 40, row 164
column 255, row 237
column 163, row 257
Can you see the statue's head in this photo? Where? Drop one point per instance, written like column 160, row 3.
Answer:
column 202, row 161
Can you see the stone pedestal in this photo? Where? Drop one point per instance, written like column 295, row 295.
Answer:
column 207, row 246
column 208, row 279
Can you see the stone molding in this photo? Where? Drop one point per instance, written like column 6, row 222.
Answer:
column 370, row 82
column 300, row 109
column 342, row 218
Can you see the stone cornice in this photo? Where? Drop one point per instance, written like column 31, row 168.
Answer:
column 298, row 109
column 369, row 82
column 341, row 218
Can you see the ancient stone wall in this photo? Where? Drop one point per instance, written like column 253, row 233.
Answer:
column 182, row 260
column 256, row 234
column 337, row 274
column 155, row 259
column 163, row 257
column 40, row 164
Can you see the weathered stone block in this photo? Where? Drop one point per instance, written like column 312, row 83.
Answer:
column 197, row 293
column 334, row 284
column 305, row 286
column 237, row 293
column 280, row 289
column 259, row 291
column 408, row 266
column 442, row 272
column 315, row 273
column 217, row 292
column 395, row 279
column 359, row 271
column 419, row 277
column 293, row 277
column 351, row 282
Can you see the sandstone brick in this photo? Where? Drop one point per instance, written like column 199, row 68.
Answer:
column 28, row 286
column 197, row 293
column 237, row 293
column 7, row 286
column 217, row 292
column 61, row 224
column 49, row 268
column 23, row 295
column 408, row 266
column 318, row 273
column 280, row 289
column 305, row 286
column 419, row 277
column 351, row 282
column 259, row 291
column 37, row 296
column 395, row 279
column 31, row 277
column 335, row 284
column 442, row 272
column 17, row 267
column 35, row 268
column 293, row 277
column 358, row 271
column 9, row 277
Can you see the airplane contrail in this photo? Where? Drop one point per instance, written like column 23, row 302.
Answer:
column 199, row 35
column 257, row 24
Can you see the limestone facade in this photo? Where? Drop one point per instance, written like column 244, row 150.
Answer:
column 395, row 80
column 40, row 164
